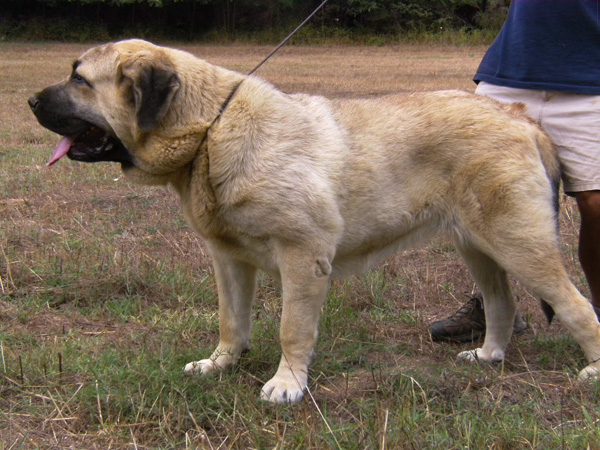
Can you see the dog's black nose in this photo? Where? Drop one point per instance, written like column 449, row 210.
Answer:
column 33, row 103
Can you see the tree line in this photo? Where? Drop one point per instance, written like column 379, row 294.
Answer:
column 197, row 19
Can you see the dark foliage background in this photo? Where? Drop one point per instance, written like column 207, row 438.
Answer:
column 83, row 20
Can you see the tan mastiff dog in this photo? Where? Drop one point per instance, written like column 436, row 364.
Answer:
column 309, row 189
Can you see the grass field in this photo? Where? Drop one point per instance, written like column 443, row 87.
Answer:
column 105, row 294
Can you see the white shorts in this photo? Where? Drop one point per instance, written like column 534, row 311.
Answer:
column 573, row 123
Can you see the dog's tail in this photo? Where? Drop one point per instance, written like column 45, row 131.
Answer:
column 546, row 149
column 549, row 157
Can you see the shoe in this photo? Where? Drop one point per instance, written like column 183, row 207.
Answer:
column 468, row 323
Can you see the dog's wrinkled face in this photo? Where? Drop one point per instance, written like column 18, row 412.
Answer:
column 106, row 105
column 68, row 108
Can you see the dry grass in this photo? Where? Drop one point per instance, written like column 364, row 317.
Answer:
column 105, row 293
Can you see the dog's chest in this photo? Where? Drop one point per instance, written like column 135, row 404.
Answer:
column 259, row 252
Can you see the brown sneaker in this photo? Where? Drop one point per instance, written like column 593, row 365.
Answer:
column 468, row 323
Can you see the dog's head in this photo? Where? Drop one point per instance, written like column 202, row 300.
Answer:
column 120, row 103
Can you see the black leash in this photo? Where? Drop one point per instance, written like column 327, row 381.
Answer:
column 288, row 38
column 208, row 188
column 281, row 44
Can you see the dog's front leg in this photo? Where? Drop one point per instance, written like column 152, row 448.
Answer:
column 305, row 280
column 236, row 285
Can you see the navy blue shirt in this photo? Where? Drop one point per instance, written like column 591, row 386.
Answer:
column 549, row 45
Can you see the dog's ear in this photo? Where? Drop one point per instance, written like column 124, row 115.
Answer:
column 152, row 90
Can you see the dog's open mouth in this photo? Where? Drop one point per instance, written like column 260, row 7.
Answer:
column 92, row 145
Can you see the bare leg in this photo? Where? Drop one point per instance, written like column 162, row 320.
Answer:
column 589, row 240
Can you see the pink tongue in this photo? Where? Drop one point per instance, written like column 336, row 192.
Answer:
column 61, row 150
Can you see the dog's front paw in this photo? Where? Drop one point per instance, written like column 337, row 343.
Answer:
column 478, row 355
column 283, row 389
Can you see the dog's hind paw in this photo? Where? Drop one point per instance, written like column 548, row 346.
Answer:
column 478, row 355
column 469, row 356
column 203, row 367
column 219, row 360
column 590, row 373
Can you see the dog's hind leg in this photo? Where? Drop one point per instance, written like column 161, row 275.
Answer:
column 498, row 301
column 574, row 311
column 531, row 254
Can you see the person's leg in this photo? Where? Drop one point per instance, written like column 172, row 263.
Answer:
column 589, row 240
column 572, row 121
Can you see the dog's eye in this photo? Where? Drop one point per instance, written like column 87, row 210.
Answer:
column 79, row 79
